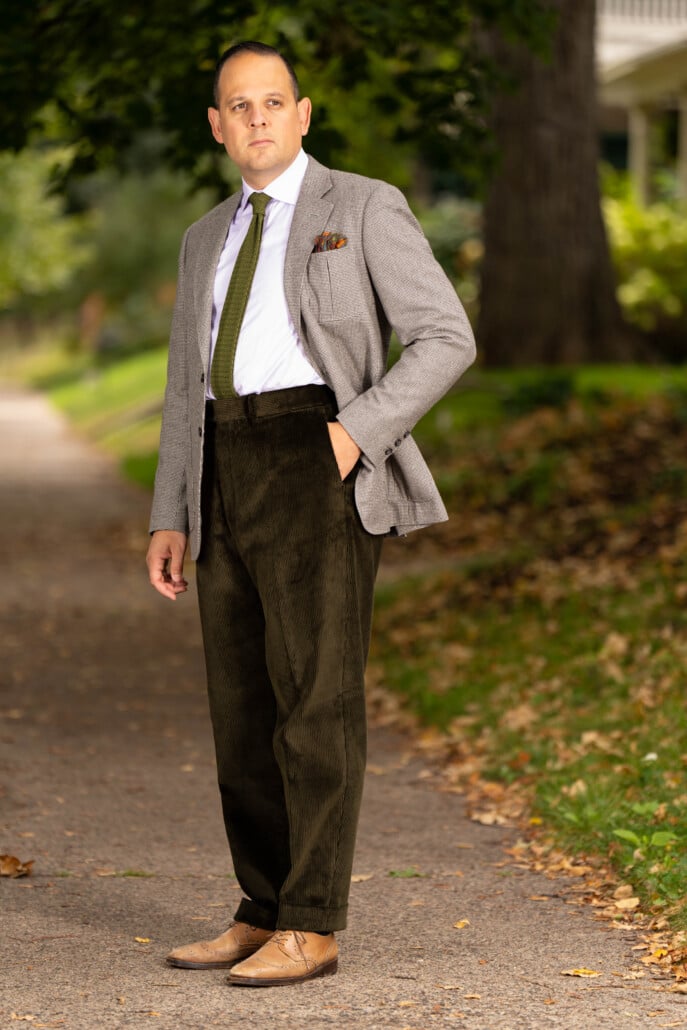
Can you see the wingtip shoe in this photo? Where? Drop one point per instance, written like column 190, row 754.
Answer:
column 290, row 956
column 235, row 944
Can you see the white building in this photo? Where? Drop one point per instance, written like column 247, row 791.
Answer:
column 642, row 74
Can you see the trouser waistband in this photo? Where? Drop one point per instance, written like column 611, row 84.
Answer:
column 273, row 402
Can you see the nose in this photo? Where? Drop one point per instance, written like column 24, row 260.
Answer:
column 258, row 117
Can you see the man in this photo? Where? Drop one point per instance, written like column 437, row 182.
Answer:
column 287, row 442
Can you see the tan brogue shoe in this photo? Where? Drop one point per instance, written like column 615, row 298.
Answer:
column 289, row 957
column 236, row 943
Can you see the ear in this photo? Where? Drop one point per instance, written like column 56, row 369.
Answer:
column 215, row 124
column 304, row 112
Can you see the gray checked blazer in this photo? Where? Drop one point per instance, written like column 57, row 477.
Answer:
column 344, row 304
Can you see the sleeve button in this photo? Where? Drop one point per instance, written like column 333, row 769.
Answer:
column 200, row 430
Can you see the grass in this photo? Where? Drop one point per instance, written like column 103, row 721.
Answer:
column 546, row 639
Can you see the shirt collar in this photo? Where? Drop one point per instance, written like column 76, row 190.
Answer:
column 286, row 186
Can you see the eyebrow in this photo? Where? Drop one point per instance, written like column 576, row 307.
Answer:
column 270, row 93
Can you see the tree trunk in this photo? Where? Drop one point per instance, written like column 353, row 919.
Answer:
column 548, row 288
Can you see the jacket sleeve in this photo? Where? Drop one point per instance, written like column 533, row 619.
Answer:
column 421, row 305
column 170, row 503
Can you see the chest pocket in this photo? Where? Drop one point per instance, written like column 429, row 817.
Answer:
column 334, row 280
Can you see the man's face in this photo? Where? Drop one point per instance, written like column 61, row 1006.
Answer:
column 258, row 120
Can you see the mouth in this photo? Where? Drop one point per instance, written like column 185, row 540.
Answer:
column 260, row 143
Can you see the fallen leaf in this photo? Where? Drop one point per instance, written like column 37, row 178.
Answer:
column 539, row 897
column 449, row 987
column 489, row 818
column 627, row 904
column 580, row 972
column 461, row 924
column 678, row 989
column 549, row 1001
column 15, row 1015
column 624, row 891
column 361, row 877
column 406, row 1004
column 472, row 997
column 142, row 940
column 12, row 866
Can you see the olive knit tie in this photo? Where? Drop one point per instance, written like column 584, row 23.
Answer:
column 222, row 373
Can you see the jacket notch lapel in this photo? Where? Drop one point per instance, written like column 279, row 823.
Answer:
column 209, row 251
column 309, row 219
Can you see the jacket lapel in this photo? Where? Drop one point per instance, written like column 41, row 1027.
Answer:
column 309, row 220
column 211, row 242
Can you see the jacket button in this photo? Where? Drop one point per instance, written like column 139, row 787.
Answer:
column 202, row 377
column 388, row 451
column 200, row 430
column 406, row 434
column 397, row 443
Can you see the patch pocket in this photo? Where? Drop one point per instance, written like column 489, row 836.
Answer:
column 334, row 281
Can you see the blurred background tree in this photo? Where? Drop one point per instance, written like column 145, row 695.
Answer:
column 548, row 286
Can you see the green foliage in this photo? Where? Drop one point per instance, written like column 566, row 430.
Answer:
column 381, row 75
column 547, row 636
column 41, row 248
column 453, row 228
column 137, row 225
column 545, row 389
column 648, row 245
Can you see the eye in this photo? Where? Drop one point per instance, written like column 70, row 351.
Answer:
column 274, row 103
column 240, row 106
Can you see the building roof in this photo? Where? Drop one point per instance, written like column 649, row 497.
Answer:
column 641, row 50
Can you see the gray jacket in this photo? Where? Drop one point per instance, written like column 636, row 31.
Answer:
column 344, row 304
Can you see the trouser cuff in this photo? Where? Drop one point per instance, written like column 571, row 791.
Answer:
column 299, row 917
column 255, row 915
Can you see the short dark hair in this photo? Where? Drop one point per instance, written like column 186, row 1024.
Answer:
column 253, row 47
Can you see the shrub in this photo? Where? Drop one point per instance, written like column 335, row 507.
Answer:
column 649, row 245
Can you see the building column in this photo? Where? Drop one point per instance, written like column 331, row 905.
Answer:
column 682, row 147
column 638, row 158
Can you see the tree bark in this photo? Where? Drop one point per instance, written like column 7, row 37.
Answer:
column 548, row 288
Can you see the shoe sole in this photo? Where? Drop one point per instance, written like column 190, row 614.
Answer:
column 328, row 969
column 181, row 963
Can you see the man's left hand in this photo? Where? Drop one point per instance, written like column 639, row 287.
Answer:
column 346, row 450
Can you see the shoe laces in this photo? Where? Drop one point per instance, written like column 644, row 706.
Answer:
column 282, row 936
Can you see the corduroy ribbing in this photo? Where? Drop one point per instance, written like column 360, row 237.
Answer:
column 285, row 581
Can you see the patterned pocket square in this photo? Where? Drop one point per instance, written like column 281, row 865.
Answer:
column 329, row 241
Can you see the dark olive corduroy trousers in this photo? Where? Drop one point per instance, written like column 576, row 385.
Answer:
column 285, row 582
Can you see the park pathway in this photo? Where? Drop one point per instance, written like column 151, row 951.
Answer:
column 107, row 784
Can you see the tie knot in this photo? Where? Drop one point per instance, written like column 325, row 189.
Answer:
column 259, row 202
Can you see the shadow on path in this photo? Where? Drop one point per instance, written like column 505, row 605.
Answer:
column 107, row 781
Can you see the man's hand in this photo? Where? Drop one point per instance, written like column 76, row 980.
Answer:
column 165, row 560
column 346, row 450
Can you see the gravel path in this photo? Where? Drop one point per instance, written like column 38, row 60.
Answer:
column 107, row 782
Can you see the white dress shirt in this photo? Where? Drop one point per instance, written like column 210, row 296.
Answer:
column 269, row 353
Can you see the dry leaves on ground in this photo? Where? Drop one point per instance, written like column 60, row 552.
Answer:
column 14, row 867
